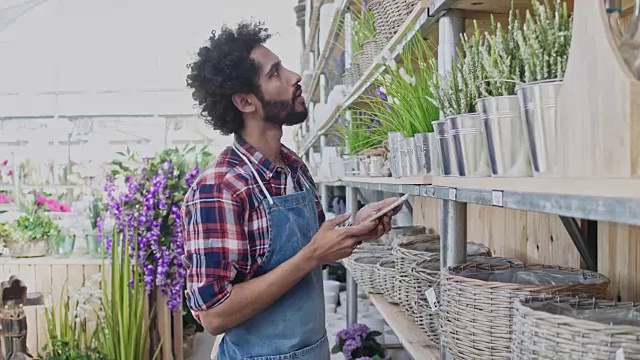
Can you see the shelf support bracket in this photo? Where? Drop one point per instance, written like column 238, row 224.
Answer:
column 585, row 238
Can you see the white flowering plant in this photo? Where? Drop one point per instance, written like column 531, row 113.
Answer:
column 70, row 327
column 500, row 56
column 544, row 41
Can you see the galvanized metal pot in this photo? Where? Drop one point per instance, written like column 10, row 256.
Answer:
column 394, row 153
column 505, row 136
column 427, row 150
column 538, row 110
column 446, row 149
column 469, row 143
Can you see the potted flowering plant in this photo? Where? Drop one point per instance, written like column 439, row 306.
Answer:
column 32, row 233
column 358, row 342
column 143, row 196
column 544, row 41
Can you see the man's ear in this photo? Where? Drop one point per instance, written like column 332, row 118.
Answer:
column 244, row 102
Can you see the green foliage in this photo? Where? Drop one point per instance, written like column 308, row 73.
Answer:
column 57, row 349
column 35, row 226
column 97, row 208
column 357, row 135
column 124, row 332
column 403, row 99
column 362, row 27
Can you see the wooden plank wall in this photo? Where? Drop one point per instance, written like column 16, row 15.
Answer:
column 541, row 238
column 48, row 277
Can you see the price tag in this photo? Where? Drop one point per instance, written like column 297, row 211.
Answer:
column 496, row 198
column 431, row 298
column 620, row 354
column 452, row 194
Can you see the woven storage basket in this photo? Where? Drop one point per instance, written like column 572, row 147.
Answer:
column 386, row 273
column 476, row 316
column 428, row 248
column 402, row 234
column 380, row 22
column 372, row 248
column 549, row 330
column 406, row 298
column 426, row 275
column 394, row 14
column 362, row 268
column 410, row 5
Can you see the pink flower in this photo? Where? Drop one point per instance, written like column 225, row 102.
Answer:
column 10, row 173
column 50, row 201
column 64, row 207
column 41, row 200
column 53, row 207
column 4, row 163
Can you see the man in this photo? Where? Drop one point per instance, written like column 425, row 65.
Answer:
column 255, row 235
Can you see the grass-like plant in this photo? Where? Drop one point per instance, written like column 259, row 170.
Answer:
column 402, row 100
column 544, row 41
column 362, row 26
column 360, row 133
column 124, row 328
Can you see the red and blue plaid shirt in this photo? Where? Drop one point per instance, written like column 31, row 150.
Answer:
column 226, row 231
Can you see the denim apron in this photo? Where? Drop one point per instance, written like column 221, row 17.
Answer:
column 294, row 326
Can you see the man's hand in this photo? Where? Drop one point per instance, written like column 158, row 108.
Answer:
column 372, row 209
column 331, row 244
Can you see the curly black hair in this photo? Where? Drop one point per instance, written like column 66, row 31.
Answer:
column 223, row 68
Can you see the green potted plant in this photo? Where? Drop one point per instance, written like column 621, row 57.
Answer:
column 501, row 69
column 358, row 136
column 544, row 41
column 402, row 102
column 32, row 234
column 460, row 133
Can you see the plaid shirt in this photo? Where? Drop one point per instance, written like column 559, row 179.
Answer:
column 225, row 225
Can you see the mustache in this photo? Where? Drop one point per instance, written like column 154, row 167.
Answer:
column 297, row 90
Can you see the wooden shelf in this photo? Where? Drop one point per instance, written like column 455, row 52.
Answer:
column 411, row 337
column 622, row 188
column 409, row 180
column 50, row 260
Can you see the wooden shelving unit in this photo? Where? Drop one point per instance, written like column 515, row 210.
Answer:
column 411, row 337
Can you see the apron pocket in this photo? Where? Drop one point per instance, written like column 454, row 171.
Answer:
column 317, row 351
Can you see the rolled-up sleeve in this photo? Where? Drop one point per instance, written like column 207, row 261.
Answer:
column 216, row 244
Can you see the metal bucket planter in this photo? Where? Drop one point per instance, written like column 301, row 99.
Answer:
column 468, row 138
column 505, row 136
column 394, row 153
column 427, row 150
column 404, row 158
column 538, row 101
column 351, row 166
column 446, row 149
column 412, row 157
column 375, row 166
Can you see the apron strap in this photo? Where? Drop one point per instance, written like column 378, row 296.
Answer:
column 255, row 173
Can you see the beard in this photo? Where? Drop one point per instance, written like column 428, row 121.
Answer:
column 283, row 112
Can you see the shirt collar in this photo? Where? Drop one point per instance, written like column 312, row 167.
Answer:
column 264, row 165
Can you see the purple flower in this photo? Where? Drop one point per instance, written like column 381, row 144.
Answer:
column 148, row 216
column 349, row 346
column 381, row 93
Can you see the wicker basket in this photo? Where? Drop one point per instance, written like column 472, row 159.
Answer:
column 351, row 75
column 410, row 5
column 540, row 334
column 365, row 57
column 428, row 248
column 476, row 316
column 403, row 234
column 406, row 298
column 366, row 249
column 362, row 268
column 394, row 15
column 386, row 273
column 426, row 274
